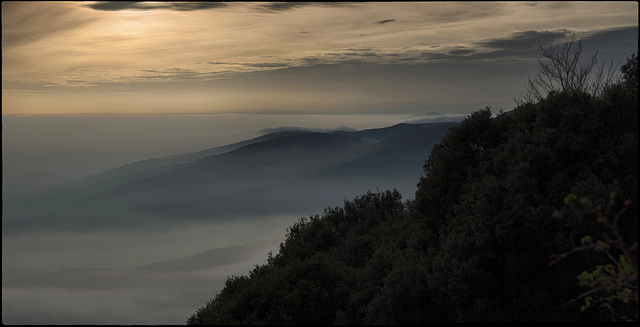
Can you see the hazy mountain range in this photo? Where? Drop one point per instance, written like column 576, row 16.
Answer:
column 288, row 174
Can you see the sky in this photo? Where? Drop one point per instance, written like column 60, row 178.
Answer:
column 291, row 57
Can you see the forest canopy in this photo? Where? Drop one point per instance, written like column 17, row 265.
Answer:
column 525, row 215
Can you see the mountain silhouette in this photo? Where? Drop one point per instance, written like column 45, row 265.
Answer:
column 286, row 172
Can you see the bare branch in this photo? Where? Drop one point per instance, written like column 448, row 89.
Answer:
column 564, row 71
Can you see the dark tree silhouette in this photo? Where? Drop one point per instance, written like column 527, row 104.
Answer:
column 475, row 243
column 564, row 70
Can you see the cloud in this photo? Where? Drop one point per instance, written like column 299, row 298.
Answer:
column 103, row 49
column 613, row 44
column 267, row 65
column 524, row 45
column 253, row 65
column 283, row 6
column 171, row 73
column 286, row 6
column 144, row 5
column 515, row 47
column 461, row 51
column 620, row 34
column 525, row 40
column 26, row 22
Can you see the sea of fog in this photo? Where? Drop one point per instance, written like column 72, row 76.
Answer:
column 95, row 277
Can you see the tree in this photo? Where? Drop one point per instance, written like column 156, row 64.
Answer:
column 475, row 244
column 630, row 72
column 565, row 71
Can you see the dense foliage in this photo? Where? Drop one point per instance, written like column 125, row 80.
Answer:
column 529, row 215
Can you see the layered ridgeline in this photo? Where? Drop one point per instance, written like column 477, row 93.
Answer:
column 281, row 173
column 111, row 248
column 529, row 215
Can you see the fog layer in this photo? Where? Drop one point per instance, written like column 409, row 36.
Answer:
column 132, row 245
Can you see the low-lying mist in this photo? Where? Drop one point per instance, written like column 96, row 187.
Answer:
column 39, row 252
column 140, row 276
column 151, row 242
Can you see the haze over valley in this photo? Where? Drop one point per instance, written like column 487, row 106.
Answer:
column 132, row 228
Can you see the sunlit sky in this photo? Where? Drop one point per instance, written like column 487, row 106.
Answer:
column 270, row 57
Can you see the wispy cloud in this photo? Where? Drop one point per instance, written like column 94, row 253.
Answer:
column 283, row 6
column 277, row 7
column 145, row 5
column 613, row 39
column 108, row 43
column 26, row 24
column 255, row 65
column 525, row 40
column 385, row 21
column 170, row 73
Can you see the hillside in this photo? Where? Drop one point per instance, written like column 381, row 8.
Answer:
column 529, row 216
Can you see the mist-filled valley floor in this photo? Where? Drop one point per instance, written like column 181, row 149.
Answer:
column 151, row 294
column 147, row 242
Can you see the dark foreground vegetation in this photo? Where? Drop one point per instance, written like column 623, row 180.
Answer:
column 529, row 215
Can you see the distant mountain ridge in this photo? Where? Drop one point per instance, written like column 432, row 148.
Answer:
column 285, row 172
column 181, row 158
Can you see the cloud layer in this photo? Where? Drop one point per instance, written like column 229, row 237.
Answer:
column 69, row 46
column 145, row 5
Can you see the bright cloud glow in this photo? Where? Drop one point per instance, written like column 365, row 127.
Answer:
column 72, row 57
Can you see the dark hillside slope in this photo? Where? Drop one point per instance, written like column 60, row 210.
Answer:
column 524, row 217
